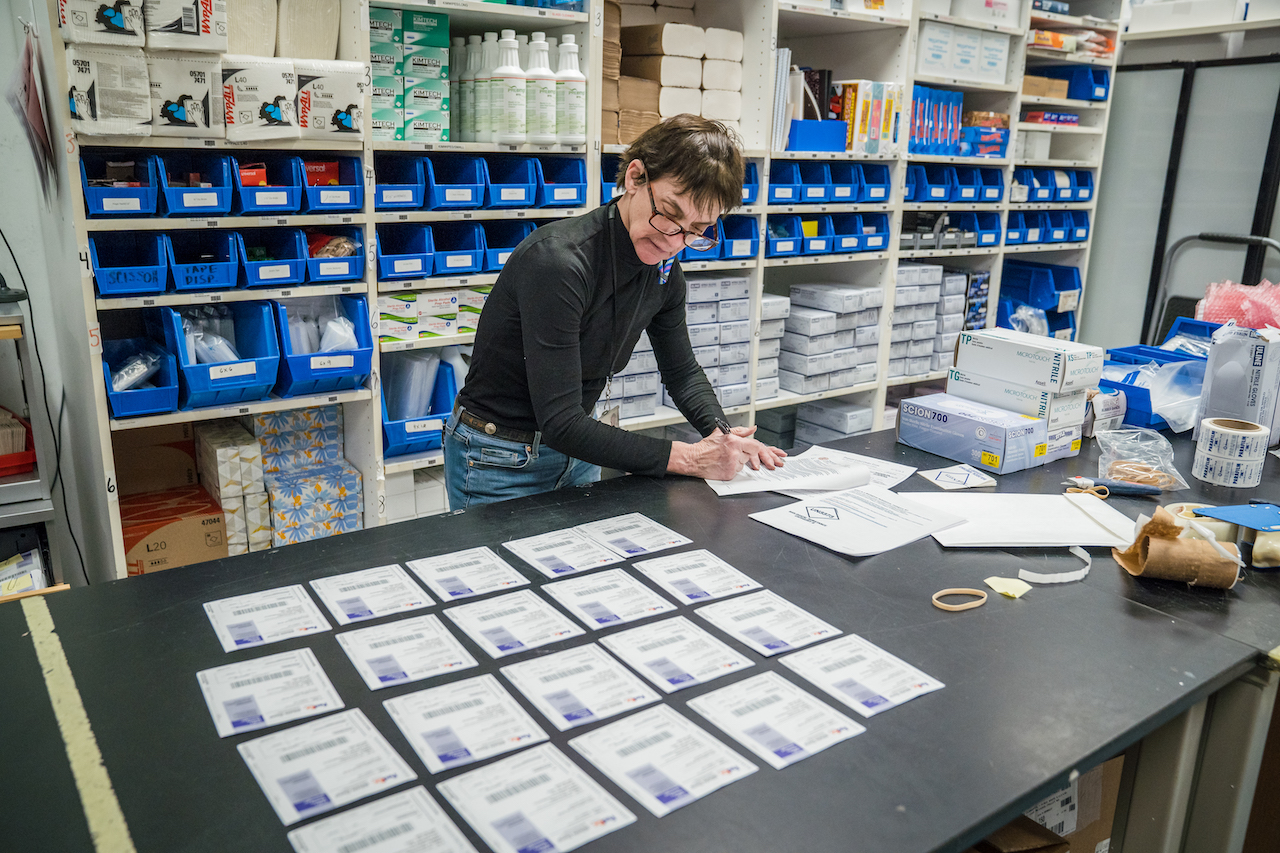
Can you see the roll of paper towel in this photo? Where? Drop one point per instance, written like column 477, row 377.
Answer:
column 107, row 90
column 330, row 98
column 251, row 27
column 186, row 94
column 259, row 94
column 94, row 22
column 186, row 25
column 308, row 29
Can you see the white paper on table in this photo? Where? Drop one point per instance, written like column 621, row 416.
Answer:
column 464, row 574
column 403, row 651
column 264, row 692
column 694, row 576
column 960, row 476
column 861, row 675
column 258, row 618
column 884, row 474
column 662, row 759
column 1009, row 520
column 816, row 469
column 538, row 800
column 776, row 720
column 607, row 598
column 767, row 622
column 513, row 623
column 632, row 535
column 408, row 822
column 858, row 522
column 322, row 765
column 370, row 593
column 463, row 722
column 562, row 552
column 675, row 653
column 579, row 686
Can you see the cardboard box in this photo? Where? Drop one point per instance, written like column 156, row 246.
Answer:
column 992, row 439
column 1030, row 360
column 171, row 528
column 153, row 459
column 1023, row 835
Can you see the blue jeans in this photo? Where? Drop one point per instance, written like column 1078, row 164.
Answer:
column 481, row 469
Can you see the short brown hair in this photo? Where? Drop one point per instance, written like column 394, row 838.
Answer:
column 702, row 156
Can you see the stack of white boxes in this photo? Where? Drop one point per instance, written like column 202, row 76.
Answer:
column 831, row 419
column 415, row 494
column 229, row 461
column 698, row 71
column 430, row 313
column 914, row 333
column 636, row 387
column 950, row 316
column 718, row 307
column 831, row 337
column 774, row 311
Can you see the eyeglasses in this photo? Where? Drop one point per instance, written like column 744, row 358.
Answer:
column 698, row 242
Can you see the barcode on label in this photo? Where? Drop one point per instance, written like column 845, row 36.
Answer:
column 271, row 676
column 557, row 544
column 519, row 787
column 407, row 638
column 271, row 606
column 842, row 663
column 763, row 702
column 313, row 749
column 377, row 837
column 643, row 743
column 657, row 644
column 751, row 614
column 353, row 587
column 687, row 567
column 566, row 673
column 612, row 530
column 467, row 565
column 189, row 20
column 511, row 611
column 596, row 590
column 1058, row 827
column 449, row 709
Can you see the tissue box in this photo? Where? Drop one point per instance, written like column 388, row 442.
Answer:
column 1058, row 410
column 1030, row 360
column 992, row 439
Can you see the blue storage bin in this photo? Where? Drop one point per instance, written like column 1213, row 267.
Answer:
column 992, row 184
column 817, row 135
column 347, row 194
column 1082, row 180
column 288, row 250
column 128, row 262
column 405, row 250
column 250, row 378
column 911, row 190
column 784, row 236
column 968, row 186
column 1060, row 226
column 348, row 268
column 985, row 224
column 416, row 435
column 1047, row 286
column 1015, row 231
column 283, row 192
column 1138, row 400
column 873, row 182
column 400, row 183
column 741, row 237
column 712, row 254
column 511, row 181
column 459, row 247
column 562, row 182
column 320, row 372
column 846, row 233
column 1040, row 183
column 824, row 238
column 119, row 201
column 1062, row 324
column 750, row 184
column 609, row 189
column 454, row 181
column 501, row 238
column 1084, row 82
column 844, row 182
column 203, row 260
column 195, row 201
column 815, row 183
column 1037, row 230
column 784, row 182
column 875, row 232
column 140, row 401
column 980, row 142
column 932, row 183
column 1079, row 225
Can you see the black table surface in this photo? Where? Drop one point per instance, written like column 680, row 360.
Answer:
column 1059, row 680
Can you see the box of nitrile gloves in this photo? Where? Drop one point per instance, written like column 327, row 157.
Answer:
column 992, row 439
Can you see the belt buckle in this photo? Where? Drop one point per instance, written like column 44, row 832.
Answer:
column 490, row 428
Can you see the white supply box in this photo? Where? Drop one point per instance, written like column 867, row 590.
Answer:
column 838, row 413
column 1030, row 360
column 774, row 307
column 1058, row 410
column 838, row 298
column 808, row 321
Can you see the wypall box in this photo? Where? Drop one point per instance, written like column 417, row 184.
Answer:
column 985, row 437
column 1031, row 360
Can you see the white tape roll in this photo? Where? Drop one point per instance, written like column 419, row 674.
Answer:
column 1235, row 473
column 1232, row 439
column 1223, row 531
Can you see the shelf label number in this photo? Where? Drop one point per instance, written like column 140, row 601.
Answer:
column 95, row 340
column 113, row 495
column 71, row 142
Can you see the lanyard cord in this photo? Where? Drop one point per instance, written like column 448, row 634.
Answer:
column 613, row 294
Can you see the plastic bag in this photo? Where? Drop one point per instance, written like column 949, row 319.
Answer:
column 135, row 370
column 214, row 349
column 1255, row 306
column 1030, row 320
column 1175, row 393
column 1138, row 455
column 340, row 334
column 1189, row 344
column 409, row 379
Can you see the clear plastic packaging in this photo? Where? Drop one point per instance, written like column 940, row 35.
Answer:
column 340, row 334
column 1189, row 344
column 1175, row 393
column 1138, row 455
column 317, row 324
column 1030, row 320
column 214, row 349
column 135, row 370
column 409, row 379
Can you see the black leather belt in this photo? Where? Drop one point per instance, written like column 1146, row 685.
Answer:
column 490, row 428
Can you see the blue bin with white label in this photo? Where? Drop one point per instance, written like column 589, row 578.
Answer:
column 1015, row 230
column 823, row 238
column 399, row 182
column 323, row 196
column 286, row 263
column 815, row 183
column 510, row 181
column 203, row 260
column 933, row 183
column 176, row 199
column 282, row 192
column 128, row 262
column 562, row 182
column 162, row 396
column 845, row 182
column 416, row 435
column 741, row 237
column 343, row 268
column 405, row 250
column 321, row 372
column 1062, row 324
column 785, row 237
column 251, row 377
column 1082, row 180
column 1060, row 226
column 968, row 184
column 454, row 181
column 609, row 189
column 992, row 185
column 459, row 248
column 873, row 182
column 1051, row 287
column 784, row 182
column 501, row 238
column 712, row 254
column 984, row 224
column 1079, row 225
column 119, row 201
column 1039, row 183
column 1037, row 230
column 1084, row 82
column 750, row 184
column 875, row 232
column 846, row 233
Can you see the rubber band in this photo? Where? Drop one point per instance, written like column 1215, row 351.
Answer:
column 968, row 605
column 1138, row 472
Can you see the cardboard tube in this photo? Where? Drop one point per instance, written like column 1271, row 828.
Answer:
column 1157, row 552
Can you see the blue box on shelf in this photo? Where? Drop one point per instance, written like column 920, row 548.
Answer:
column 203, row 260
column 214, row 169
column 1062, row 324
column 1015, row 231
column 873, row 182
column 400, row 183
column 992, row 184
column 250, row 378
column 968, row 186
column 415, row 435
column 1060, row 226
column 815, row 183
column 501, row 238
column 823, row 238
column 162, row 397
column 345, row 268
column 846, row 233
column 1084, row 83
column 509, row 181
column 119, row 201
column 319, row 372
column 282, row 192
column 562, row 182
column 712, row 254
column 741, row 237
column 784, row 182
column 983, row 142
column 1079, row 225
column 817, row 135
column 459, row 247
column 875, row 232
column 609, row 189
column 1082, row 180
column 454, row 181
column 911, row 190
column 1039, row 183
column 784, row 236
column 405, row 250
column 750, row 184
column 286, row 249
column 128, row 262
column 985, row 224
column 1051, row 287
column 346, row 194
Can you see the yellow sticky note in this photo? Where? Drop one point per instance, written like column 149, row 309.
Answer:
column 1011, row 587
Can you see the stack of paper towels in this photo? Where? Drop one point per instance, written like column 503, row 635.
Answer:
column 638, row 13
column 698, row 70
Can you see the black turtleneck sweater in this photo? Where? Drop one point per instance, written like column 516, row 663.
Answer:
column 553, row 323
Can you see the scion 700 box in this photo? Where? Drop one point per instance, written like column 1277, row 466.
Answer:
column 985, row 437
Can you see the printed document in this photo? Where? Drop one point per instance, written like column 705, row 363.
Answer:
column 463, row 722
column 562, row 552
column 1012, row 520
column 767, row 622
column 862, row 675
column 258, row 618
column 464, row 574
column 607, row 598
column 322, row 765
column 408, row 822
column 858, row 522
column 883, row 473
column 662, row 759
column 535, row 802
column 403, row 651
column 371, row 593
column 632, row 535
column 958, row 477
column 696, row 576
column 579, row 686
column 513, row 623
column 817, row 469
column 775, row 719
column 675, row 653
column 263, row 692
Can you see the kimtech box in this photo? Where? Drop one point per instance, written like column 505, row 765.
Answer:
column 992, row 439
column 1031, row 360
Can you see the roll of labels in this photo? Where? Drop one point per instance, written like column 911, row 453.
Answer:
column 1230, row 453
